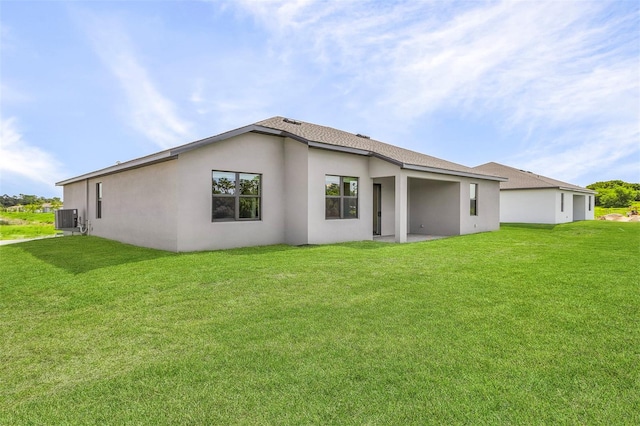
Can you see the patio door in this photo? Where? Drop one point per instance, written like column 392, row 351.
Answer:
column 377, row 209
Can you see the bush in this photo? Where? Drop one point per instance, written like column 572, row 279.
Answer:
column 619, row 196
column 615, row 193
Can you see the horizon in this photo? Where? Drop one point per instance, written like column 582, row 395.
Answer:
column 550, row 87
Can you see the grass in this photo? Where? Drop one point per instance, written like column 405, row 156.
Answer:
column 601, row 211
column 529, row 325
column 20, row 225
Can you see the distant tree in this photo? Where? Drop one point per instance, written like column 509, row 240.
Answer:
column 8, row 200
column 610, row 184
column 32, row 208
column 615, row 193
column 56, row 202
column 636, row 187
column 30, row 202
column 619, row 196
column 29, row 199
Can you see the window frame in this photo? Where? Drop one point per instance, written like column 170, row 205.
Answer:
column 562, row 202
column 473, row 199
column 342, row 198
column 237, row 196
column 98, row 200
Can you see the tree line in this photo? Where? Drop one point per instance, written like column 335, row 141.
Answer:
column 615, row 193
column 611, row 193
column 29, row 202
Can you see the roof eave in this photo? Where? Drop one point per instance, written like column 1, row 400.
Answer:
column 337, row 148
column 170, row 154
column 127, row 165
column 453, row 172
column 252, row 128
column 562, row 188
column 586, row 191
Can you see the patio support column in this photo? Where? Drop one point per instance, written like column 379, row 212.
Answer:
column 401, row 208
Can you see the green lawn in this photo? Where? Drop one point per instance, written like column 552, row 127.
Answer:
column 20, row 225
column 528, row 325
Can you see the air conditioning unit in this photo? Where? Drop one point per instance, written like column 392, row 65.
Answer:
column 67, row 219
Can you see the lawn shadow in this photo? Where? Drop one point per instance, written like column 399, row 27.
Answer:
column 262, row 250
column 80, row 254
column 259, row 250
column 527, row 225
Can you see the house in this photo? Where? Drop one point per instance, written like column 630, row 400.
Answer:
column 530, row 198
column 281, row 181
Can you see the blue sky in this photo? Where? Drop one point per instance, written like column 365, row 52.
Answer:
column 551, row 87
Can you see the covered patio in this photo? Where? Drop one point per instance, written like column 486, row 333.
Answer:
column 411, row 208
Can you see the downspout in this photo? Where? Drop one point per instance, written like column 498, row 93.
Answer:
column 86, row 193
column 84, row 228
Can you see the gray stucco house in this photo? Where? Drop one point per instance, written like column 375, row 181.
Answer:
column 527, row 197
column 281, row 181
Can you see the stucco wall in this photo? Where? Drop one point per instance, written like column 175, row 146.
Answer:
column 434, row 207
column 563, row 215
column 579, row 206
column 379, row 168
column 529, row 205
column 74, row 196
column 384, row 173
column 138, row 206
column 321, row 230
column 591, row 201
column 168, row 205
column 248, row 153
column 488, row 206
column 584, row 206
column 388, row 205
column 296, row 190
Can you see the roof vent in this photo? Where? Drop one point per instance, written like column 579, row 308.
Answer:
column 363, row 136
column 288, row 120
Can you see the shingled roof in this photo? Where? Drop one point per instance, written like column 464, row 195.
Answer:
column 339, row 138
column 522, row 179
column 313, row 135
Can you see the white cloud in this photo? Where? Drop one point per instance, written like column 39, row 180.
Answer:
column 150, row 113
column 19, row 158
column 595, row 150
column 560, row 76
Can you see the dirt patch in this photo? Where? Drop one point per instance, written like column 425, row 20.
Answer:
column 616, row 217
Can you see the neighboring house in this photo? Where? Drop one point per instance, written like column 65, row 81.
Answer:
column 281, row 181
column 530, row 198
